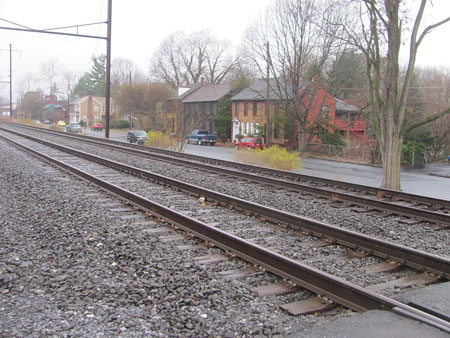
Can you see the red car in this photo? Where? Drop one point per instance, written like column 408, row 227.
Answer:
column 97, row 126
column 249, row 143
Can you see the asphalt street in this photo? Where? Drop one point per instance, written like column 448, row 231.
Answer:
column 433, row 180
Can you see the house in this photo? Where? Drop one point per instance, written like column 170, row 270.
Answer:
column 173, row 107
column 89, row 109
column 200, row 105
column 55, row 110
column 352, row 125
column 249, row 112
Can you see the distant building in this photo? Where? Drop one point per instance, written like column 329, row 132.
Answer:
column 55, row 110
column 89, row 109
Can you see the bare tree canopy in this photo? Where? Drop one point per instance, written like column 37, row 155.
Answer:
column 377, row 32
column 124, row 71
column 50, row 70
column 187, row 59
column 141, row 100
column 293, row 43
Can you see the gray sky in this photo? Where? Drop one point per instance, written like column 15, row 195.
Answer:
column 139, row 26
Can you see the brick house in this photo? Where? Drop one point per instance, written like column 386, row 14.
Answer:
column 89, row 109
column 55, row 110
column 249, row 112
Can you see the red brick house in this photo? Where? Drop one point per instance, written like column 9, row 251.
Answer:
column 249, row 113
column 55, row 110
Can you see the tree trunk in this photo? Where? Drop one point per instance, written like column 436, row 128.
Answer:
column 301, row 137
column 391, row 154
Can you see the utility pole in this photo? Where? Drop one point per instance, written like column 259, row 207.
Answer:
column 10, row 82
column 10, row 78
column 129, row 113
column 108, row 69
column 268, row 129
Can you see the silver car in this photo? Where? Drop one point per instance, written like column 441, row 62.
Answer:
column 73, row 128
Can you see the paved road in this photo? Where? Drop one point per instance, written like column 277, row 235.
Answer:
column 433, row 180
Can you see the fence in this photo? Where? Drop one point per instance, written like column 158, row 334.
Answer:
column 361, row 153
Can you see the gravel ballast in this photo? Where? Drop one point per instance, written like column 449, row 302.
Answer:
column 71, row 267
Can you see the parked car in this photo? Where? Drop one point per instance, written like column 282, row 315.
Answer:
column 201, row 136
column 36, row 122
column 249, row 143
column 73, row 128
column 97, row 126
column 47, row 122
column 137, row 136
column 61, row 123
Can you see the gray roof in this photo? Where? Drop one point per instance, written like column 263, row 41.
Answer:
column 192, row 89
column 343, row 106
column 258, row 91
column 208, row 93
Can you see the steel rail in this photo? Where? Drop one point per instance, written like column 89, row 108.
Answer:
column 394, row 194
column 407, row 256
column 336, row 289
column 408, row 211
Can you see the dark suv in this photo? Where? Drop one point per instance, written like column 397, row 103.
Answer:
column 137, row 136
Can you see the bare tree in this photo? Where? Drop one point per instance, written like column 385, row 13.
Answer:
column 186, row 59
column 124, row 71
column 141, row 100
column 435, row 89
column 27, row 83
column 293, row 45
column 50, row 71
column 377, row 33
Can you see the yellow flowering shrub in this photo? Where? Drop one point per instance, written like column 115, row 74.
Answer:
column 273, row 157
column 162, row 140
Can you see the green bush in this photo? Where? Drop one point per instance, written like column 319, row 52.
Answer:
column 272, row 157
column 120, row 124
column 410, row 149
column 222, row 120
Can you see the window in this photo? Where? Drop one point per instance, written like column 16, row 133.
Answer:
column 103, row 108
column 245, row 128
column 276, row 132
column 236, row 109
column 288, row 130
column 255, row 109
column 254, row 129
column 95, row 109
column 245, row 109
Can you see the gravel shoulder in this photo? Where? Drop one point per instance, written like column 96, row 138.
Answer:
column 69, row 267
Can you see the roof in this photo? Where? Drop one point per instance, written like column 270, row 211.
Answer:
column 258, row 91
column 344, row 106
column 208, row 93
column 192, row 89
column 100, row 99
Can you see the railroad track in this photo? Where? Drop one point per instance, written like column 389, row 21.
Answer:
column 392, row 195
column 207, row 215
column 417, row 209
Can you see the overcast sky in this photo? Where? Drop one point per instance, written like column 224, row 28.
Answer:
column 139, row 26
